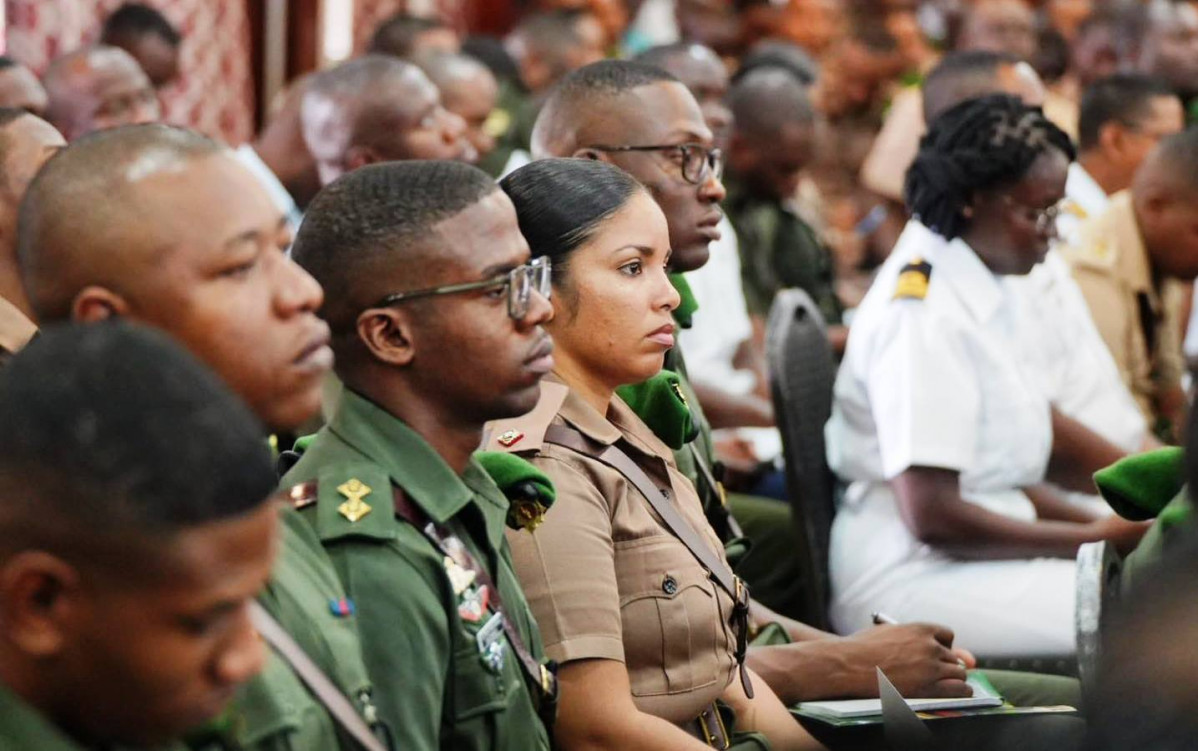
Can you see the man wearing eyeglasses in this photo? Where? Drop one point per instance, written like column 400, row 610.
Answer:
column 773, row 140
column 436, row 316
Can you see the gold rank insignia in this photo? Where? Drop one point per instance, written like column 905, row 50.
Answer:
column 354, row 507
column 677, row 389
column 509, row 438
column 913, row 280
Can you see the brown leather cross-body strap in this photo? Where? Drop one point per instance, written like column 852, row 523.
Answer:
column 614, row 457
column 318, row 683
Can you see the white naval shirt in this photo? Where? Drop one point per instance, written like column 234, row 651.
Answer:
column 1084, row 198
column 935, row 382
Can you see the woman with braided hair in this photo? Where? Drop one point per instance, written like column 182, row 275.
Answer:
column 935, row 424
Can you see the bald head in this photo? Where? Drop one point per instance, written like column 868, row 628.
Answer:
column 20, row 89
column 376, row 108
column 95, row 88
column 1165, row 194
column 589, row 106
column 73, row 219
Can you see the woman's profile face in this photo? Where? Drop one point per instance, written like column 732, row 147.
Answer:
column 1013, row 227
column 613, row 311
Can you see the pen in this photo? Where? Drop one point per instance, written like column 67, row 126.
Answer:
column 881, row 619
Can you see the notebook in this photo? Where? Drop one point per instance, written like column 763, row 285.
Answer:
column 984, row 695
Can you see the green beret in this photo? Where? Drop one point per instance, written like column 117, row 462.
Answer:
column 685, row 312
column 659, row 402
column 1139, row 486
column 528, row 489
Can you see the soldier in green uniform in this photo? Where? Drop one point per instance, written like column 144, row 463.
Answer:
column 164, row 226
column 436, row 316
column 773, row 137
column 127, row 567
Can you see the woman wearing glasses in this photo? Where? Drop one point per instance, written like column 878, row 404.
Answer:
column 937, row 423
column 627, row 580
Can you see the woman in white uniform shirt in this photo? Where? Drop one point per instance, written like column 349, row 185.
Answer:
column 936, row 426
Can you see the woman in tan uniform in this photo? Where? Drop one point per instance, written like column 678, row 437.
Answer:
column 626, row 578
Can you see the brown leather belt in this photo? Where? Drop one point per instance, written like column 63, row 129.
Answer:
column 709, row 727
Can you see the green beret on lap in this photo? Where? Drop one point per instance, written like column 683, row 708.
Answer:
column 1139, row 486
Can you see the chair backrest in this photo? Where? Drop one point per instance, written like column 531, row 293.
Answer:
column 1098, row 577
column 802, row 373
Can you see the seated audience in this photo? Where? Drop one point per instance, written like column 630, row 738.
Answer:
column 935, row 422
column 1123, row 257
column 164, row 226
column 128, row 567
column 96, row 88
column 631, row 674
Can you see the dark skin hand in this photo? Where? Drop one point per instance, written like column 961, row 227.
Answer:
column 917, row 657
column 931, row 506
column 1077, row 453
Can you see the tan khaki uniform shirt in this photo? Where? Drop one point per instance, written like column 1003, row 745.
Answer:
column 604, row 576
column 15, row 330
column 1139, row 322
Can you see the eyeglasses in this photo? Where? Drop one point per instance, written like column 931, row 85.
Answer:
column 520, row 283
column 1045, row 219
column 698, row 161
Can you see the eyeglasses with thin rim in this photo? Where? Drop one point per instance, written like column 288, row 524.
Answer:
column 1044, row 219
column 520, row 283
column 698, row 161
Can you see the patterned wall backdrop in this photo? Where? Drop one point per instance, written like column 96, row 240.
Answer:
column 214, row 93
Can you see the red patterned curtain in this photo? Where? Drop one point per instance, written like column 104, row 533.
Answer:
column 215, row 91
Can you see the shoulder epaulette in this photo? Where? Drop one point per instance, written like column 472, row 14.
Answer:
column 527, row 432
column 913, row 280
column 303, row 495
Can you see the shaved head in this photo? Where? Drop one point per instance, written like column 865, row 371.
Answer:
column 768, row 100
column 95, row 88
column 584, row 107
column 82, row 200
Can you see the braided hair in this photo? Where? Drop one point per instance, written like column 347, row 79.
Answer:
column 978, row 145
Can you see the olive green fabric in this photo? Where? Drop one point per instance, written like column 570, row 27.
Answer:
column 660, row 402
column 511, row 123
column 1155, row 543
column 1139, row 487
column 1036, row 689
column 684, row 314
column 432, row 685
column 771, row 565
column 778, row 250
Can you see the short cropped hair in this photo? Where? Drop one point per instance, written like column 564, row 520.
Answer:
column 375, row 214
column 116, row 430
column 767, row 100
column 960, row 76
column 588, row 90
column 776, row 53
column 133, row 20
column 397, row 35
column 1124, row 98
column 75, row 195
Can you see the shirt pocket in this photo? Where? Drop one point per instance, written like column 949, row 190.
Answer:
column 675, row 638
column 477, row 690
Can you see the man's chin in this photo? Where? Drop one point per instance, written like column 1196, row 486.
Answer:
column 519, row 403
column 692, row 257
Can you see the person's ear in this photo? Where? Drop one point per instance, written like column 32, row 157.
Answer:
column 94, row 304
column 589, row 153
column 1112, row 139
column 39, row 596
column 387, row 335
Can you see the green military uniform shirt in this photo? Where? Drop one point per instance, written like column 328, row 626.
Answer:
column 276, row 711
column 778, row 250
column 23, row 728
column 422, row 625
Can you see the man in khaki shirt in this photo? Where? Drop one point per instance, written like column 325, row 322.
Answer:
column 26, row 142
column 1126, row 260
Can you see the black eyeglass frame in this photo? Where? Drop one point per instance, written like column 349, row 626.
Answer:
column 713, row 161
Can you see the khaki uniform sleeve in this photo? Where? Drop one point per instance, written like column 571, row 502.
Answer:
column 1111, row 310
column 567, row 569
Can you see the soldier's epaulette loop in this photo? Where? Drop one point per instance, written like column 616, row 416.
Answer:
column 303, row 495
column 913, row 280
